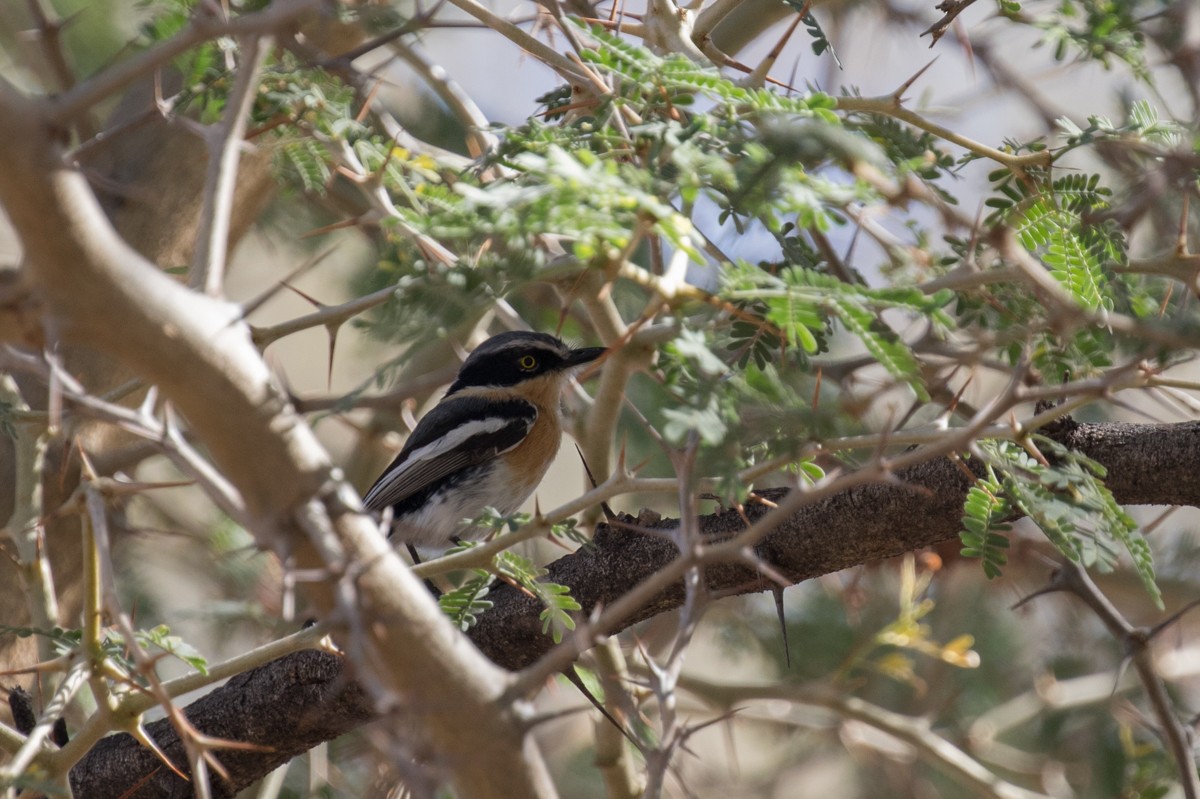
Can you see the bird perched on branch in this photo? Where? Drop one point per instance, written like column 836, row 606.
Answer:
column 488, row 443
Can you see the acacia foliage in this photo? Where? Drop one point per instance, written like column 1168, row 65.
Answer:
column 806, row 267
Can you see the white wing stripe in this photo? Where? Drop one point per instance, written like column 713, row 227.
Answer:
column 459, row 435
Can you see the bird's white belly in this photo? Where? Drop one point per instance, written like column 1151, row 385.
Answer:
column 448, row 513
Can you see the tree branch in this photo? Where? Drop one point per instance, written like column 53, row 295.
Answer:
column 225, row 142
column 863, row 524
column 100, row 293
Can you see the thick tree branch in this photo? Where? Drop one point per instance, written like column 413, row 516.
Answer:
column 99, row 292
column 857, row 526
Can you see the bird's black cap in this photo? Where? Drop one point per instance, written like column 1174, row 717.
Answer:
column 510, row 358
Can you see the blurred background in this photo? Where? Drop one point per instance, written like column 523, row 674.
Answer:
column 1038, row 690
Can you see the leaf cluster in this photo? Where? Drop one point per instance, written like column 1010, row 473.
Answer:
column 1063, row 493
column 468, row 600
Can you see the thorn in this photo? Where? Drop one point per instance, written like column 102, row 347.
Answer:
column 573, row 677
column 777, row 592
column 609, row 515
column 89, row 470
column 120, row 488
column 145, row 740
column 755, row 79
column 1122, row 668
column 147, row 408
column 964, row 39
column 898, row 95
column 315, row 302
column 1049, row 589
column 342, row 225
column 58, row 664
column 1170, row 620
column 621, row 466
column 256, row 303
column 754, row 496
column 332, row 331
column 562, row 319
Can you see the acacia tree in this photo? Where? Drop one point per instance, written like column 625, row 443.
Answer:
column 839, row 331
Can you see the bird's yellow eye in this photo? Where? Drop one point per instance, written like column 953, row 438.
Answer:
column 527, row 362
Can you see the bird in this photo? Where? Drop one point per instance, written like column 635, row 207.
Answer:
column 487, row 443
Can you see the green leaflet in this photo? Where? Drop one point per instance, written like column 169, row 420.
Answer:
column 1068, row 500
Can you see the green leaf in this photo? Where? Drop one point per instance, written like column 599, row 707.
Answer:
column 559, row 604
column 160, row 637
column 883, row 344
column 464, row 604
column 985, row 518
column 1067, row 499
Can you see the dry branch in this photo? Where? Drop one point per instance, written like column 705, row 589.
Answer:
column 857, row 526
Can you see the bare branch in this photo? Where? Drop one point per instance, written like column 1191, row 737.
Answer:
column 635, row 575
column 916, row 732
column 181, row 340
column 225, row 143
column 78, row 99
column 1072, row 577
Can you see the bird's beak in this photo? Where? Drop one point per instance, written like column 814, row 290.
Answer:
column 584, row 355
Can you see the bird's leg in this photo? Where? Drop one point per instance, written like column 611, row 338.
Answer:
column 416, row 559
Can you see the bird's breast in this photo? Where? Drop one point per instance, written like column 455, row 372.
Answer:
column 528, row 461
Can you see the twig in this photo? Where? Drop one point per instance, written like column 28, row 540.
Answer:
column 329, row 315
column 1073, row 578
column 952, row 8
column 547, row 55
column 480, row 139
column 708, row 19
column 31, row 750
column 24, row 525
column 49, row 34
column 225, row 143
column 891, row 106
column 916, row 732
column 140, row 422
column 612, row 757
column 77, row 100
column 481, row 555
column 391, row 400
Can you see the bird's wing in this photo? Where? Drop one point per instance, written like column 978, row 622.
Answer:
column 459, row 432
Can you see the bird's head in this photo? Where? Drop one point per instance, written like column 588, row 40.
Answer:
column 519, row 357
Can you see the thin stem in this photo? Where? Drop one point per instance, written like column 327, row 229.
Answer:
column 24, row 526
column 327, row 316
column 890, row 106
column 916, row 732
column 220, row 181
column 67, row 106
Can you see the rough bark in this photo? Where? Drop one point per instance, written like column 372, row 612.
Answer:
column 1148, row 465
column 306, row 694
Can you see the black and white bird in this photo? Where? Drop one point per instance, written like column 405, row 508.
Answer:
column 488, row 443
